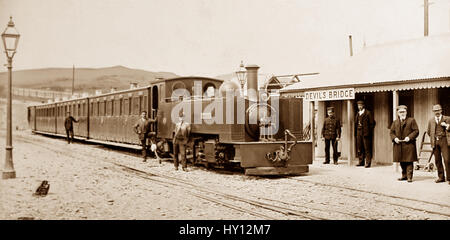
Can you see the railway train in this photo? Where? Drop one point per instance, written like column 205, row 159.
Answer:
column 110, row 118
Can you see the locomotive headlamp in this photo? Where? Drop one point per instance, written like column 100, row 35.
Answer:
column 241, row 75
column 10, row 39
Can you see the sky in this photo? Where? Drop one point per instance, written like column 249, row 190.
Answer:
column 210, row 37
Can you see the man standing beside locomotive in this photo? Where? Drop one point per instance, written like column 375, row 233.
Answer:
column 68, row 124
column 438, row 127
column 142, row 128
column 364, row 125
column 331, row 132
column 180, row 139
column 404, row 132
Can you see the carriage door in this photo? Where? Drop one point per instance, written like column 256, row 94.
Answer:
column 155, row 102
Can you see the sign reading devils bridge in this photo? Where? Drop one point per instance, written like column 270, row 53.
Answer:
column 330, row 94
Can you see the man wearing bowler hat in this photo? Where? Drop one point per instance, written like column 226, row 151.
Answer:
column 180, row 139
column 404, row 131
column 364, row 125
column 331, row 132
column 438, row 127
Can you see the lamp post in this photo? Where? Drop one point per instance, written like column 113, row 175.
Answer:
column 10, row 39
column 241, row 76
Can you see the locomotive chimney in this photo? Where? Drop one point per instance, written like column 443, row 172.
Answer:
column 350, row 42
column 252, row 82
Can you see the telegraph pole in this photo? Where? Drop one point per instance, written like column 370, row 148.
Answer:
column 426, row 5
column 73, row 78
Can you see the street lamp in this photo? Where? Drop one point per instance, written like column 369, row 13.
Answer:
column 10, row 39
column 241, row 76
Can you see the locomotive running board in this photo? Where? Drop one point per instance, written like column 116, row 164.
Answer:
column 273, row 171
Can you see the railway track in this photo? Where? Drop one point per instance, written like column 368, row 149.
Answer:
column 231, row 201
column 265, row 204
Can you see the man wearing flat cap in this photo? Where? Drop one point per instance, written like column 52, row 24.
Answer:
column 331, row 132
column 438, row 127
column 180, row 140
column 364, row 125
column 404, row 131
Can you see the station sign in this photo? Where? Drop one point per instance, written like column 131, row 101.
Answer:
column 330, row 94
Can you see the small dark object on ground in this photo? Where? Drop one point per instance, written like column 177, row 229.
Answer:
column 42, row 190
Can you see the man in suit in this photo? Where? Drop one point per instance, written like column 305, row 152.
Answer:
column 331, row 132
column 142, row 128
column 364, row 125
column 404, row 132
column 438, row 127
column 180, row 139
column 68, row 124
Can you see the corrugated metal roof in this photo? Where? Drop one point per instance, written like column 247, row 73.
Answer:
column 423, row 58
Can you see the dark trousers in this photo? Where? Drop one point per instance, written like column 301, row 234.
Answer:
column 407, row 169
column 179, row 149
column 144, row 148
column 364, row 149
column 69, row 133
column 327, row 150
column 441, row 148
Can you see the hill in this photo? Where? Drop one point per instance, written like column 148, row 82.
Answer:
column 86, row 79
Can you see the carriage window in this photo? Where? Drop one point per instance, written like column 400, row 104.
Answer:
column 141, row 104
column 126, row 107
column 116, row 107
column 109, row 108
column 145, row 103
column 97, row 109
column 135, row 107
column 79, row 110
column 120, row 106
column 101, row 109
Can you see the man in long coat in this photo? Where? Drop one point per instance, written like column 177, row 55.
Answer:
column 364, row 125
column 180, row 140
column 404, row 131
column 438, row 127
column 68, row 124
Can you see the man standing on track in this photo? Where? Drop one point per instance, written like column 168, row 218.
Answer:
column 142, row 128
column 68, row 124
column 180, row 139
column 364, row 125
column 438, row 127
column 331, row 132
column 404, row 132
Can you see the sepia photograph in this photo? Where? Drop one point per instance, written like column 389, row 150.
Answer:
column 225, row 110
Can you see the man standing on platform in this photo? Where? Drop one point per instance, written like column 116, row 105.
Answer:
column 364, row 125
column 331, row 132
column 404, row 132
column 438, row 127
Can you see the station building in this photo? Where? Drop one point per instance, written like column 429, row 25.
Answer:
column 415, row 73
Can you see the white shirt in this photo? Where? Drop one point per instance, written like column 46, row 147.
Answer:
column 361, row 112
column 438, row 119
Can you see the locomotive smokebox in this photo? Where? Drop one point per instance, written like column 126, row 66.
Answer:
column 252, row 82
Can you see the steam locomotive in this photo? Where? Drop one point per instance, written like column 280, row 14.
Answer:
column 226, row 127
